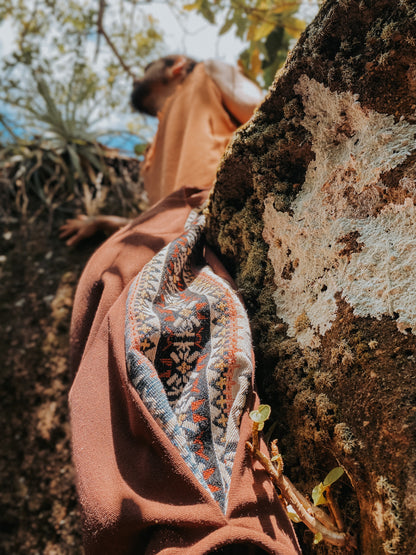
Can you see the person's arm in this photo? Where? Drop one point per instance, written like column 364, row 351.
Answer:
column 240, row 95
column 85, row 226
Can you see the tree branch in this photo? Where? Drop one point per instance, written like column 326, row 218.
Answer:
column 334, row 509
column 101, row 31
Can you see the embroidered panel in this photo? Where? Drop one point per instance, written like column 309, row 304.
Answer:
column 189, row 356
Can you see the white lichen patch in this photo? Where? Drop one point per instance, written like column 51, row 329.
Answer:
column 387, row 515
column 353, row 147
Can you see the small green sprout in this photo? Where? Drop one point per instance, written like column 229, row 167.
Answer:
column 292, row 514
column 260, row 415
column 325, row 526
column 317, row 538
column 140, row 148
column 318, row 492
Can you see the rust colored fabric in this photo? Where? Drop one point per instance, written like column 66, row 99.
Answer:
column 137, row 493
column 194, row 130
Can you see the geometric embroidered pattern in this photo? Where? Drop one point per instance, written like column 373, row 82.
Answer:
column 189, row 356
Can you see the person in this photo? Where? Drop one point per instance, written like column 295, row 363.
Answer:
column 199, row 106
column 162, row 356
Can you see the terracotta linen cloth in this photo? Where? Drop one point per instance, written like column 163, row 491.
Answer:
column 194, row 130
column 144, row 485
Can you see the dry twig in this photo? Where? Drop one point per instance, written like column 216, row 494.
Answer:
column 102, row 31
column 313, row 517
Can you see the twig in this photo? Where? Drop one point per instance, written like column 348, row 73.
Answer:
column 255, row 435
column 99, row 25
column 287, row 490
column 101, row 31
column 334, row 509
column 315, row 511
column 8, row 128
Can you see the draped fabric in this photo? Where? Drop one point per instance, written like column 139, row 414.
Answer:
column 189, row 356
column 160, row 401
column 194, row 130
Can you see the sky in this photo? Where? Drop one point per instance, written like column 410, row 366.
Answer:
column 196, row 37
column 192, row 36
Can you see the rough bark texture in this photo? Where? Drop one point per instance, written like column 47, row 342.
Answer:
column 314, row 214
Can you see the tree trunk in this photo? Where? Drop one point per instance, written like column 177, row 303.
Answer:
column 314, row 214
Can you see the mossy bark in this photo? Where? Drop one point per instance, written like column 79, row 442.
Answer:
column 313, row 213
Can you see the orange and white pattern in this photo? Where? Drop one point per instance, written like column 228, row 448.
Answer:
column 189, row 356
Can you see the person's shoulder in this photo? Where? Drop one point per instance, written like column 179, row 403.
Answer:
column 200, row 68
column 217, row 69
column 212, row 65
column 239, row 94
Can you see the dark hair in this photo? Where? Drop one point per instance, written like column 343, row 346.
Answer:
column 142, row 88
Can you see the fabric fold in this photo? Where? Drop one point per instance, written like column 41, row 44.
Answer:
column 138, row 493
column 189, row 355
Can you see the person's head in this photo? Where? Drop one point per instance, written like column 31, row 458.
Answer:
column 159, row 81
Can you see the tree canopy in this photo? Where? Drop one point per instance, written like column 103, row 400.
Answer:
column 62, row 51
column 80, row 55
column 67, row 69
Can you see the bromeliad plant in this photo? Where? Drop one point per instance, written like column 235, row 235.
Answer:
column 327, row 526
column 65, row 164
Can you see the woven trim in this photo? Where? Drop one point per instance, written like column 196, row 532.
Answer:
column 189, row 356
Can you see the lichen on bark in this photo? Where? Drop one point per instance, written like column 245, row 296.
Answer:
column 314, row 214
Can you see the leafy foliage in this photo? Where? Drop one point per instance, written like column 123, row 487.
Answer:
column 60, row 44
column 267, row 25
column 63, row 78
column 66, row 165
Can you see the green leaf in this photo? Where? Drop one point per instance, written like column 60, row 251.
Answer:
column 261, row 414
column 293, row 517
column 263, row 30
column 194, row 6
column 241, row 24
column 333, row 476
column 206, row 11
column 294, row 26
column 289, row 6
column 255, row 62
column 265, row 411
column 89, row 154
column 73, row 155
column 317, row 538
column 226, row 27
column 318, row 495
column 140, row 148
